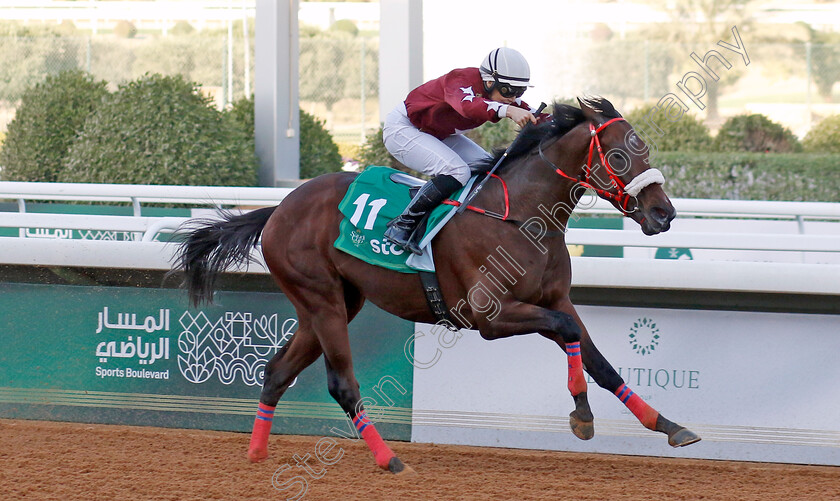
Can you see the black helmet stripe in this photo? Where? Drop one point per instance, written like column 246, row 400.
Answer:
column 493, row 59
column 493, row 70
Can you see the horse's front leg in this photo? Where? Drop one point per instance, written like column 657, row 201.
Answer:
column 521, row 318
column 606, row 377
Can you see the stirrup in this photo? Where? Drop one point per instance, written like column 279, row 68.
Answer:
column 408, row 243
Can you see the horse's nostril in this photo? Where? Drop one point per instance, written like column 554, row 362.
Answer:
column 661, row 215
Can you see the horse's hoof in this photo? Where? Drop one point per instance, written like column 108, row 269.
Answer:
column 583, row 430
column 257, row 455
column 683, row 437
column 397, row 467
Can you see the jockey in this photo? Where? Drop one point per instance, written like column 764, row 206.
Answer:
column 425, row 132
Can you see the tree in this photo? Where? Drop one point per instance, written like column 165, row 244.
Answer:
column 825, row 61
column 705, row 21
column 331, row 68
column 629, row 68
column 321, row 78
column 29, row 54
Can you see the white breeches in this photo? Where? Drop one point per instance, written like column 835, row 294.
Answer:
column 426, row 153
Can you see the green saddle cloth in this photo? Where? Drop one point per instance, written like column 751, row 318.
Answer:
column 371, row 201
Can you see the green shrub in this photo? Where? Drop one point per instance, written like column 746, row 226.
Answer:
column 686, row 134
column 308, row 30
column 751, row 176
column 346, row 26
column 185, row 28
column 373, row 152
column 242, row 112
column 318, row 152
column 160, row 130
column 824, row 137
column 491, row 135
column 755, row 133
column 48, row 119
column 67, row 28
column 125, row 29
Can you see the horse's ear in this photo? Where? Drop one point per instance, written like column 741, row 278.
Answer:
column 588, row 112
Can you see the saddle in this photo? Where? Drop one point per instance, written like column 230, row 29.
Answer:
column 376, row 196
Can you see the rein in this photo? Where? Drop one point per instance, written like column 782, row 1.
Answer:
column 501, row 217
column 485, row 212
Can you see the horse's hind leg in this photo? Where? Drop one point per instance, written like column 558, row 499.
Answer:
column 606, row 377
column 301, row 350
column 327, row 304
column 299, row 353
column 344, row 388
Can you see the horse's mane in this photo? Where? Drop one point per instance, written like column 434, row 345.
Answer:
column 565, row 118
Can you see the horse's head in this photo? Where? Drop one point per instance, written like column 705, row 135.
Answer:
column 616, row 166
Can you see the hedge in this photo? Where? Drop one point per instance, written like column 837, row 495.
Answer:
column 686, row 134
column 48, row 119
column 755, row 133
column 160, row 130
column 807, row 177
column 737, row 176
column 318, row 152
column 824, row 137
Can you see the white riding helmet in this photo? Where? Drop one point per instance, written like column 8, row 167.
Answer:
column 504, row 65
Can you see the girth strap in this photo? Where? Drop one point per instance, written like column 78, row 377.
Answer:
column 434, row 298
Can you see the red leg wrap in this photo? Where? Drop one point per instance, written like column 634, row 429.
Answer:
column 577, row 381
column 258, row 448
column 646, row 414
column 381, row 452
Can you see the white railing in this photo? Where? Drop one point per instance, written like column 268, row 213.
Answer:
column 143, row 252
column 736, row 208
column 137, row 194
column 147, row 228
column 707, row 240
column 225, row 195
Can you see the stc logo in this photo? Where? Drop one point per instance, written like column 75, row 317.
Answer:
column 385, row 248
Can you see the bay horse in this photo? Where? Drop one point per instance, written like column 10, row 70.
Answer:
column 551, row 165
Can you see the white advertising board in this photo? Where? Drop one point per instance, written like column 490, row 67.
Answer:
column 754, row 386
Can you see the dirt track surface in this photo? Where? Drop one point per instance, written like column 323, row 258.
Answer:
column 71, row 461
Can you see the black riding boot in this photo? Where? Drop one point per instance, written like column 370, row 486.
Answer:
column 430, row 196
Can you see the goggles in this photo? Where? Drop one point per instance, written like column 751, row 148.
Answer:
column 508, row 90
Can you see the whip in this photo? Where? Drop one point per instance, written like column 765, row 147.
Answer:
column 480, row 185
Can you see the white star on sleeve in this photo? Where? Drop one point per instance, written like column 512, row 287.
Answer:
column 493, row 105
column 469, row 95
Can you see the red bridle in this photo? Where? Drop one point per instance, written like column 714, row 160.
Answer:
column 621, row 197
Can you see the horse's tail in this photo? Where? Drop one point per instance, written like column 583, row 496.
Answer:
column 213, row 245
